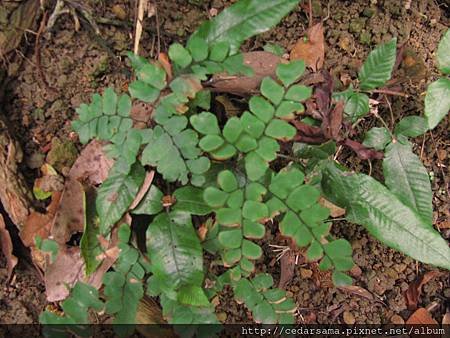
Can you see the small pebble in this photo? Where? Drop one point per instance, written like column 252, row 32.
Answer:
column 348, row 317
column 396, row 319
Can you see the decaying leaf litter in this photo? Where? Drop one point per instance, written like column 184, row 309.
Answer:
column 375, row 286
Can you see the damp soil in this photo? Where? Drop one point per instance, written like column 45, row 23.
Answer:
column 76, row 64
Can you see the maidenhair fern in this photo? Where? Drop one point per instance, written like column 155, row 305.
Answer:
column 217, row 186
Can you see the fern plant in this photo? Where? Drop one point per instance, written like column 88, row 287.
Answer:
column 219, row 178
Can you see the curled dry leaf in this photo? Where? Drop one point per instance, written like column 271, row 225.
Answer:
column 421, row 317
column 415, row 288
column 263, row 64
column 69, row 218
column 38, row 224
column 163, row 59
column 7, row 247
column 311, row 48
column 92, row 165
column 143, row 190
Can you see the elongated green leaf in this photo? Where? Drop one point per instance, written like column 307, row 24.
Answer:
column 174, row 250
column 356, row 106
column 372, row 205
column 89, row 244
column 443, row 53
column 437, row 101
column 243, row 20
column 117, row 193
column 377, row 138
column 377, row 69
column 411, row 126
column 406, row 177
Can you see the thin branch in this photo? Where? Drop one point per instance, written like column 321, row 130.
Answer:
column 388, row 92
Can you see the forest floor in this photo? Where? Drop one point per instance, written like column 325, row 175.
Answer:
column 76, row 65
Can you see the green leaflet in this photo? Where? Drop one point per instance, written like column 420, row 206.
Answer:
column 123, row 286
column 117, row 193
column 243, row 20
column 406, row 177
column 190, row 199
column 269, row 305
column 377, row 138
column 356, row 106
column 104, row 118
column 174, row 250
column 437, row 101
column 173, row 150
column 82, row 297
column 178, row 313
column 303, row 219
column 372, row 205
column 443, row 53
column 377, row 68
column 411, row 126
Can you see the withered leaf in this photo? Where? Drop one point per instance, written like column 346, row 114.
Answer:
column 69, row 217
column 7, row 247
column 263, row 64
column 63, row 273
column 92, row 165
column 415, row 288
column 38, row 223
column 308, row 134
column 362, row 152
column 287, row 264
column 311, row 48
column 421, row 316
column 332, row 122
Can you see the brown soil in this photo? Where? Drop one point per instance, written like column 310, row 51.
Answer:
column 77, row 65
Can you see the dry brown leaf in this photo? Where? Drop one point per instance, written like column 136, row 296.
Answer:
column 446, row 319
column 38, row 224
column 92, row 165
column 141, row 113
column 163, row 59
column 421, row 316
column 143, row 190
column 7, row 248
column 69, row 218
column 335, row 211
column 287, row 267
column 311, row 49
column 63, row 273
column 415, row 288
column 357, row 291
column 263, row 64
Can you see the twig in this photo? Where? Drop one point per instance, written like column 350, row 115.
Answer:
column 390, row 110
column 388, row 92
column 37, row 51
column 310, row 14
column 440, row 165
column 158, row 35
column 138, row 29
